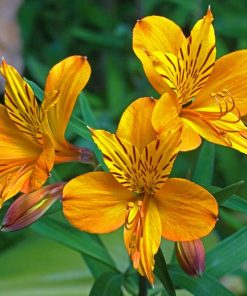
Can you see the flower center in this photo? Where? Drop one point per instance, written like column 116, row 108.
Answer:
column 188, row 103
column 134, row 221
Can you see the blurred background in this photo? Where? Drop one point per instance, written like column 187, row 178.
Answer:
column 37, row 34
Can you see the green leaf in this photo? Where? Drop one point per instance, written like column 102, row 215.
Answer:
column 54, row 176
column 228, row 255
column 97, row 268
column 236, row 203
column 231, row 222
column 203, row 173
column 108, row 284
column 86, row 111
column 161, row 272
column 36, row 89
column 131, row 280
column 91, row 121
column 202, row 286
column 80, row 241
column 225, row 193
column 79, row 127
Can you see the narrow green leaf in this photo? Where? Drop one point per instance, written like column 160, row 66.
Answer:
column 108, row 284
column 161, row 272
column 225, row 193
column 203, row 173
column 203, row 286
column 228, row 255
column 236, row 203
column 74, row 239
column 97, row 268
column 230, row 220
column 86, row 111
column 54, row 176
column 79, row 127
column 131, row 280
column 36, row 89
column 90, row 121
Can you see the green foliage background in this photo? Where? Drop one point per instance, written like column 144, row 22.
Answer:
column 32, row 264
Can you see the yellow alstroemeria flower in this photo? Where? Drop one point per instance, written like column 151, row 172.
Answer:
column 137, row 192
column 209, row 96
column 32, row 136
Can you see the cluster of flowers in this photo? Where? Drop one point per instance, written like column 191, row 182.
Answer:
column 200, row 97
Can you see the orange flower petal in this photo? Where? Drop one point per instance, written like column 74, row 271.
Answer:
column 135, row 125
column 12, row 181
column 63, row 85
column 155, row 33
column 120, row 156
column 190, row 138
column 187, row 210
column 226, row 132
column 23, row 162
column 21, row 103
column 158, row 158
column 14, row 145
column 165, row 116
column 197, row 54
column 95, row 202
column 187, row 72
column 169, row 67
column 41, row 167
column 229, row 74
column 143, row 255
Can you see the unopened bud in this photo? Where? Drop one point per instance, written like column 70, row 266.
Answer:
column 191, row 257
column 28, row 208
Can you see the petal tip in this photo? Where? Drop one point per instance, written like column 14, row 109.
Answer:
column 90, row 129
column 139, row 21
column 209, row 13
column 4, row 63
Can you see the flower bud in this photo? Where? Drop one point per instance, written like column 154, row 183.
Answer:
column 28, row 208
column 191, row 257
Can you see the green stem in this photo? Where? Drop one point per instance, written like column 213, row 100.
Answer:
column 143, row 286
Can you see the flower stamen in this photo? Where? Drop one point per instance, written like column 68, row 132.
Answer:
column 226, row 104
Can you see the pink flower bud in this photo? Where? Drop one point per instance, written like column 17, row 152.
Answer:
column 191, row 257
column 28, row 208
